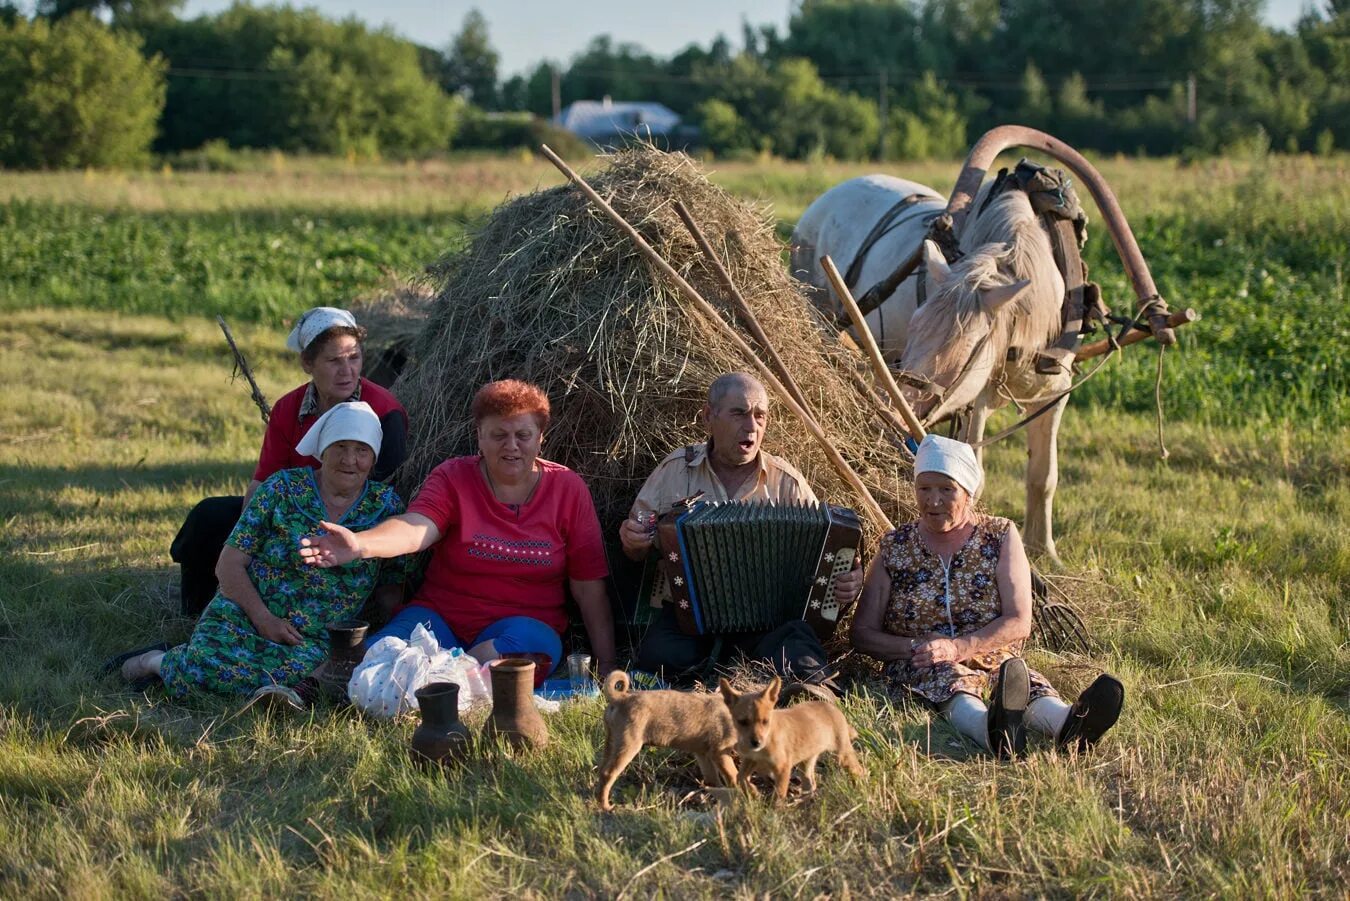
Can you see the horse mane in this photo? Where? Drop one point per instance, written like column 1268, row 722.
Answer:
column 1003, row 242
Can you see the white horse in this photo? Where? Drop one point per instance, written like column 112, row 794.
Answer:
column 1004, row 294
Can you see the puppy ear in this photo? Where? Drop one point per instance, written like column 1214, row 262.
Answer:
column 728, row 693
column 771, row 693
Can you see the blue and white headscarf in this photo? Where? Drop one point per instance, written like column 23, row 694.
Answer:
column 313, row 323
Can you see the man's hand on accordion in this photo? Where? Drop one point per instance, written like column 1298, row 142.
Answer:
column 636, row 537
column 848, row 586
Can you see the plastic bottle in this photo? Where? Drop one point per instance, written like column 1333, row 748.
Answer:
column 480, row 683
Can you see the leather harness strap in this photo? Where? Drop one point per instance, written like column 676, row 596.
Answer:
column 888, row 223
column 1064, row 242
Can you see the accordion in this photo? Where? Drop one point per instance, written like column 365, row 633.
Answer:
column 752, row 566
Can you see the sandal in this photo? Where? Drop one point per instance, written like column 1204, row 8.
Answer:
column 1095, row 711
column 1007, row 737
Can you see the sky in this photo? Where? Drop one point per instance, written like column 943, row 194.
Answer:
column 526, row 32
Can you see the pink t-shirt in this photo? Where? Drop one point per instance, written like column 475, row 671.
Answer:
column 494, row 561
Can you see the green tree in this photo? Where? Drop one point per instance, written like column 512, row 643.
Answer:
column 624, row 72
column 74, row 93
column 849, row 39
column 532, row 92
column 280, row 77
column 1036, row 108
column 928, row 123
column 723, row 129
column 471, row 63
column 124, row 13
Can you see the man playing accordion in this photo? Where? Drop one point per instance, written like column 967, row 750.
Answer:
column 729, row 466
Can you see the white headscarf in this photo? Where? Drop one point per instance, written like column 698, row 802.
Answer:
column 354, row 421
column 954, row 459
column 313, row 323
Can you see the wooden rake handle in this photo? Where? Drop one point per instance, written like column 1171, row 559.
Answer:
column 879, row 367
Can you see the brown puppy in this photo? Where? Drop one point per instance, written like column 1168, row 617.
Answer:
column 696, row 722
column 773, row 741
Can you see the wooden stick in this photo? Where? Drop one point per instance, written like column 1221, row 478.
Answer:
column 841, row 466
column 241, row 365
column 879, row 367
column 1134, row 335
column 752, row 322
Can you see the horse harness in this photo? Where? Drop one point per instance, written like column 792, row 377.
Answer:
column 899, row 213
column 1053, row 199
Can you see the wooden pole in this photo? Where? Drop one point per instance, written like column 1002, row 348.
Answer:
column 709, row 312
column 241, row 364
column 879, row 367
column 751, row 320
column 1177, row 319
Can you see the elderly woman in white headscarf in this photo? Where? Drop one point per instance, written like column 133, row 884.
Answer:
column 947, row 605
column 329, row 344
column 264, row 628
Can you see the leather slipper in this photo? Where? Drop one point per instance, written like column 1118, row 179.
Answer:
column 1007, row 736
column 1095, row 711
column 114, row 664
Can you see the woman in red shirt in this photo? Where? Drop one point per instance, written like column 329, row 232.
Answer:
column 509, row 533
column 328, row 341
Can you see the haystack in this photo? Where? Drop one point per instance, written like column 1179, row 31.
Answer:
column 550, row 291
column 393, row 317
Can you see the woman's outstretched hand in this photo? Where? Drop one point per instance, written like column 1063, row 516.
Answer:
column 339, row 546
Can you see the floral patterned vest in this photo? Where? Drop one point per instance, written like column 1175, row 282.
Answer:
column 928, row 597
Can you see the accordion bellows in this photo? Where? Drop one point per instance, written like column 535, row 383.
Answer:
column 752, row 566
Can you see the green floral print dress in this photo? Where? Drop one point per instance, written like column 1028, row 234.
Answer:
column 225, row 654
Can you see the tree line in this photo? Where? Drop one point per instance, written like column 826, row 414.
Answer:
column 109, row 82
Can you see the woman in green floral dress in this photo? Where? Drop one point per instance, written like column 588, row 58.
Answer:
column 265, row 626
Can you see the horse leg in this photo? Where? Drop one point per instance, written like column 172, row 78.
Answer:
column 979, row 418
column 1042, row 479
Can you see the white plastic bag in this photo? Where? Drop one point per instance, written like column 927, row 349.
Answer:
column 385, row 682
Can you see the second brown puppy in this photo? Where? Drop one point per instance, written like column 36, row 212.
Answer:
column 773, row 741
column 689, row 721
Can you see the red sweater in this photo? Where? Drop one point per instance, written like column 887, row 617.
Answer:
column 285, row 428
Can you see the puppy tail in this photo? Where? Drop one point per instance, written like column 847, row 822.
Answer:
column 616, row 685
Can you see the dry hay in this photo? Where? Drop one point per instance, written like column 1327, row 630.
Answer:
column 550, row 291
column 393, row 317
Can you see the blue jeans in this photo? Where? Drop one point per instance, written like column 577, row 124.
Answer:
column 511, row 635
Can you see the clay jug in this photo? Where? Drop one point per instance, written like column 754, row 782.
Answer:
column 440, row 738
column 344, row 653
column 514, row 716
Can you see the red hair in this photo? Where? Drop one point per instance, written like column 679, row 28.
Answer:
column 511, row 397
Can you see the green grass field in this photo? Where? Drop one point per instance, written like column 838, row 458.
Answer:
column 1216, row 583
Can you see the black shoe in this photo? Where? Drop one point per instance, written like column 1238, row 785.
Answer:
column 1007, row 737
column 1095, row 711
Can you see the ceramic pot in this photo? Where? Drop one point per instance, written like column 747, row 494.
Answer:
column 344, row 653
column 440, row 738
column 344, row 639
column 514, row 716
